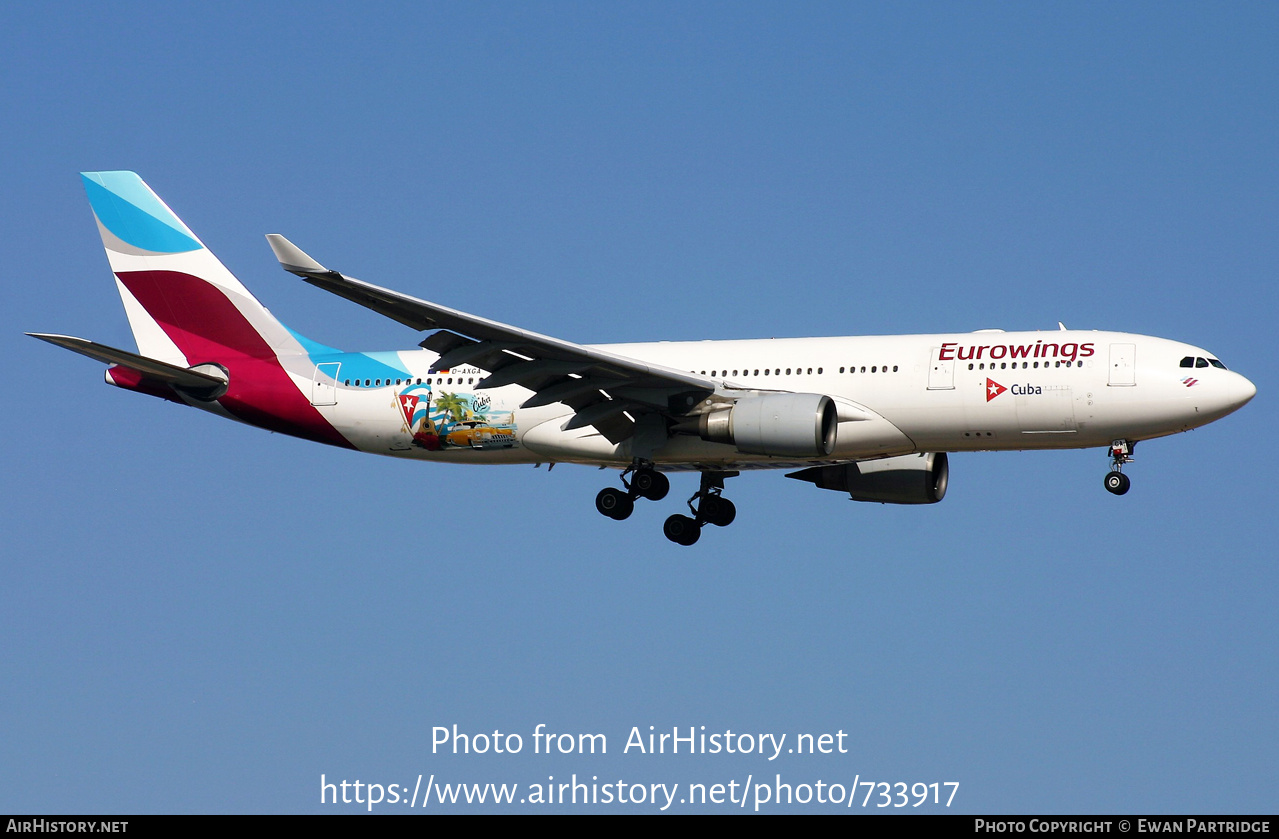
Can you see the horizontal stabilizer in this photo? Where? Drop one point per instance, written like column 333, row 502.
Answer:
column 180, row 377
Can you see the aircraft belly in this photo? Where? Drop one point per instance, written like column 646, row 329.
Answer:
column 855, row 440
column 585, row 444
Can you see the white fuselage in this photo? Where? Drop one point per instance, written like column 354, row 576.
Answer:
column 898, row 394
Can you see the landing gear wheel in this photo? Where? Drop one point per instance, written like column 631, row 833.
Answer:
column 718, row 510
column 681, row 530
column 1117, row 483
column 651, row 485
column 614, row 503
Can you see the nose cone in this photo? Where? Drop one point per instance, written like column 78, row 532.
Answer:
column 1241, row 391
column 1219, row 393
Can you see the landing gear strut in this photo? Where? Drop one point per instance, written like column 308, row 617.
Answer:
column 711, row 508
column 645, row 482
column 1120, row 453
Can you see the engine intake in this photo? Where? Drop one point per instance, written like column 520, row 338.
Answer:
column 778, row 424
column 908, row 479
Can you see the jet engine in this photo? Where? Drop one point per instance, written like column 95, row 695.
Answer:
column 908, row 479
column 778, row 424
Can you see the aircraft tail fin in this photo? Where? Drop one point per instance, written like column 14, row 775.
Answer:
column 183, row 305
column 200, row 333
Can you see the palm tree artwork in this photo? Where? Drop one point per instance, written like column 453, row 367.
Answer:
column 453, row 406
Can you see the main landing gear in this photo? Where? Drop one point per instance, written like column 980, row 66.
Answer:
column 645, row 482
column 707, row 505
column 1120, row 453
column 711, row 508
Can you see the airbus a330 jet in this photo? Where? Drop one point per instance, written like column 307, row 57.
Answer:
column 870, row 416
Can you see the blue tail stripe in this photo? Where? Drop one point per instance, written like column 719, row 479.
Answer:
column 125, row 206
column 313, row 348
column 375, row 366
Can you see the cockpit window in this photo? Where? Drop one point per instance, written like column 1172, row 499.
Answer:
column 1201, row 362
column 1215, row 363
column 1188, row 361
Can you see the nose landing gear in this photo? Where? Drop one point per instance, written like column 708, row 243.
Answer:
column 1117, row 482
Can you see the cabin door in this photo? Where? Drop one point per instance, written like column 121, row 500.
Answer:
column 1123, row 365
column 324, row 385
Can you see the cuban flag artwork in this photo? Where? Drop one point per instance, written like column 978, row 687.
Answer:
column 415, row 403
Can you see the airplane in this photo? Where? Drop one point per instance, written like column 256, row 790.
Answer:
column 870, row 416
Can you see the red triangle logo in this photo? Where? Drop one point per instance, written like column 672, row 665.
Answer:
column 993, row 389
column 408, row 402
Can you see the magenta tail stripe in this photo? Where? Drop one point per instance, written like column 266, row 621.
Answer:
column 206, row 326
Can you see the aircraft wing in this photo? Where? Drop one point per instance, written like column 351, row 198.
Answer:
column 605, row 390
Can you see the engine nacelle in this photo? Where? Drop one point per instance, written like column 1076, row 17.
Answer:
column 778, row 424
column 908, row 479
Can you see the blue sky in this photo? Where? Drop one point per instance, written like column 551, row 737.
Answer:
column 200, row 616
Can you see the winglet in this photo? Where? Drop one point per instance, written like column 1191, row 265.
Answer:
column 292, row 258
